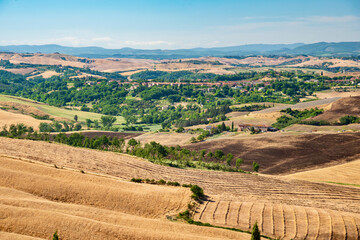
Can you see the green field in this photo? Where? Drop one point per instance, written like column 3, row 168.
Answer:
column 57, row 112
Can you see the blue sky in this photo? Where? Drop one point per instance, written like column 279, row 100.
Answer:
column 172, row 24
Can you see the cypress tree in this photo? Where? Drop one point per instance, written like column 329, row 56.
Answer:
column 55, row 236
column 255, row 234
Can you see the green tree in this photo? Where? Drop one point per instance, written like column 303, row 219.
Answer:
column 96, row 123
column 239, row 161
column 256, row 166
column 88, row 122
column 76, row 118
column 229, row 158
column 223, row 127
column 77, row 127
column 55, row 236
column 193, row 140
column 107, row 121
column 45, row 127
column 255, row 233
column 197, row 191
column 219, row 154
column 57, row 126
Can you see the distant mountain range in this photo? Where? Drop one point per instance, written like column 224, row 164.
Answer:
column 316, row 49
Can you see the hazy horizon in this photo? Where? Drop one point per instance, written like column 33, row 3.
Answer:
column 160, row 24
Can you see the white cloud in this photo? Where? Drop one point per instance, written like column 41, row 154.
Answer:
column 147, row 43
column 331, row 19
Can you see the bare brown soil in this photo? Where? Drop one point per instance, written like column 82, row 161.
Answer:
column 323, row 205
column 340, row 108
column 279, row 153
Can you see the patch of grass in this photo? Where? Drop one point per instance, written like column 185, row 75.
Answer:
column 58, row 112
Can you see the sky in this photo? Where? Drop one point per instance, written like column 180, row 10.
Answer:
column 174, row 24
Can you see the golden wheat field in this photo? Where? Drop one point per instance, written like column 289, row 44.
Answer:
column 346, row 173
column 8, row 118
column 283, row 207
column 88, row 206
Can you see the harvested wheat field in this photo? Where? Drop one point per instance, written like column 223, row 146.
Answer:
column 46, row 74
column 281, row 221
column 316, row 198
column 8, row 118
column 347, row 173
column 36, row 200
column 22, row 71
column 332, row 94
column 169, row 139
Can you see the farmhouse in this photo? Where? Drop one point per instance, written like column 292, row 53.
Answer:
column 257, row 128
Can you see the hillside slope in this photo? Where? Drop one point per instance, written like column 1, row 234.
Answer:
column 285, row 153
column 300, row 202
column 36, row 200
column 340, row 108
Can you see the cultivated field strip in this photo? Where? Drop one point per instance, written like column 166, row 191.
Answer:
column 296, row 205
column 247, row 186
column 281, row 220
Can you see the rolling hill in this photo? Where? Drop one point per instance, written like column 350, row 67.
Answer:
column 98, row 199
column 322, row 48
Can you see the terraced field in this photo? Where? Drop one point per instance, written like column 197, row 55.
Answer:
column 281, row 221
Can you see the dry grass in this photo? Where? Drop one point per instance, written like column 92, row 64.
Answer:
column 21, row 71
column 322, row 129
column 332, row 94
column 17, row 107
column 87, row 75
column 8, row 118
column 169, row 139
column 46, row 74
column 36, row 200
column 347, row 173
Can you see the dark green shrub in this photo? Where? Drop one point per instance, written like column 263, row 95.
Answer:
column 161, row 182
column 176, row 184
column 137, row 180
column 198, row 192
